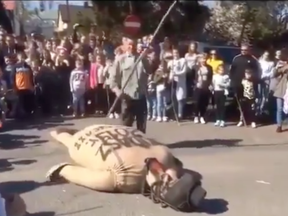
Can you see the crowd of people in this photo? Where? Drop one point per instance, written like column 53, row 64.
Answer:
column 83, row 74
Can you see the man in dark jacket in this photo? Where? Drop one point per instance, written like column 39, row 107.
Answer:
column 241, row 62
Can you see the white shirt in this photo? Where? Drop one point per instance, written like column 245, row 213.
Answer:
column 266, row 68
column 220, row 82
column 100, row 74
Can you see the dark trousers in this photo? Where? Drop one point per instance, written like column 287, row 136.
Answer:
column 101, row 103
column 202, row 97
column 43, row 102
column 25, row 101
column 111, row 98
column 131, row 109
column 220, row 99
column 248, row 110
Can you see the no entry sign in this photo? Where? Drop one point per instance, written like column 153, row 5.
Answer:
column 132, row 24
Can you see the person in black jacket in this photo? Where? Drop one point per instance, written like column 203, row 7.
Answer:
column 239, row 64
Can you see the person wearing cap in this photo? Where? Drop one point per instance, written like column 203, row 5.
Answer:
column 133, row 97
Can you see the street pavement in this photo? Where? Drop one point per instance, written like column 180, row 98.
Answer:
column 244, row 170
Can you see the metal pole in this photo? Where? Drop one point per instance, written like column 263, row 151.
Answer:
column 68, row 12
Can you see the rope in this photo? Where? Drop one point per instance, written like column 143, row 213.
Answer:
column 141, row 57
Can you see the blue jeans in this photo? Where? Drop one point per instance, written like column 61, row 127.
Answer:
column 263, row 89
column 279, row 111
column 180, row 108
column 161, row 103
column 78, row 103
column 151, row 104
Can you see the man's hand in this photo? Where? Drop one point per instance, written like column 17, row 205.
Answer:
column 118, row 92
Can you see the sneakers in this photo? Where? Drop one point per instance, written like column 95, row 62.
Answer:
column 116, row 116
column 153, row 118
column 111, row 116
column 159, row 119
column 217, row 123
column 253, row 124
column 279, row 129
column 220, row 123
column 202, row 120
column 240, row 124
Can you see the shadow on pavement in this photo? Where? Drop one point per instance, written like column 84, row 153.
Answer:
column 7, row 165
column 80, row 211
column 34, row 123
column 20, row 186
column 12, row 141
column 48, row 213
column 205, row 143
column 213, row 206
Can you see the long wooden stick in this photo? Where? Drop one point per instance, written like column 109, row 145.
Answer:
column 141, row 57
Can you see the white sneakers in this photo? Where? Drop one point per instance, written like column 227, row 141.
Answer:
column 253, row 124
column 201, row 120
column 164, row 119
column 220, row 123
column 114, row 115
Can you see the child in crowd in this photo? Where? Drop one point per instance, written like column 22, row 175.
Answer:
column 151, row 99
column 11, row 97
column 38, row 82
column 3, row 91
column 161, row 80
column 78, row 82
column 110, row 94
column 248, row 100
column 101, row 98
column 220, row 82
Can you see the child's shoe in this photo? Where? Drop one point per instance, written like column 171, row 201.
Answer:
column 202, row 120
column 222, row 124
column 217, row 123
column 165, row 119
column 253, row 125
column 240, row 124
column 116, row 115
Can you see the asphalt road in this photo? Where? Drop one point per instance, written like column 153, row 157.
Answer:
column 244, row 170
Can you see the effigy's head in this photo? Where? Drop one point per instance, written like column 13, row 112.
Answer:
column 173, row 186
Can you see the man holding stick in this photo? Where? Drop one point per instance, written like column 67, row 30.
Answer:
column 133, row 96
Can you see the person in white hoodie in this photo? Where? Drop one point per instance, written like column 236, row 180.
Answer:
column 267, row 68
column 220, row 83
column 178, row 70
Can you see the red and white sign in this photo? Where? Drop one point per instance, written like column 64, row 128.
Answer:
column 132, row 24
